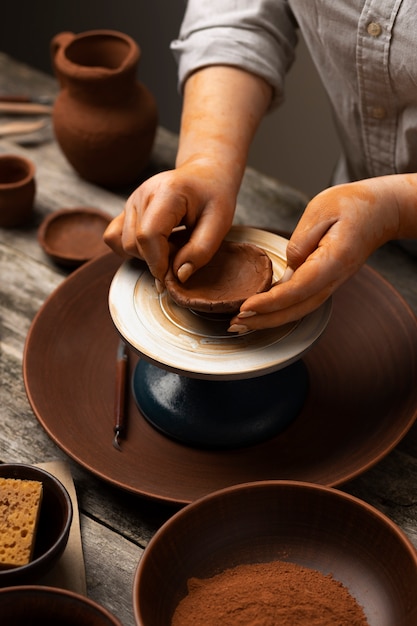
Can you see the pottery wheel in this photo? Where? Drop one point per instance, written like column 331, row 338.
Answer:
column 186, row 342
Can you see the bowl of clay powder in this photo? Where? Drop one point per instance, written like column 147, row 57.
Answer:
column 277, row 552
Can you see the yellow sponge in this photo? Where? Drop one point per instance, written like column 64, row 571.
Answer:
column 20, row 503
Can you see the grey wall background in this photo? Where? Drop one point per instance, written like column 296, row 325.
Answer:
column 296, row 144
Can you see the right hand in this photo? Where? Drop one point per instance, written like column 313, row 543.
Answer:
column 197, row 195
column 217, row 126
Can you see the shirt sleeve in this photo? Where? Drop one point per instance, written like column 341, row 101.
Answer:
column 256, row 35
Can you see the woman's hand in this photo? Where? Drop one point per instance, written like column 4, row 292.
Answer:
column 222, row 110
column 196, row 195
column 338, row 231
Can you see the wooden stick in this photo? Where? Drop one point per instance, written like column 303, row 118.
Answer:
column 16, row 128
column 25, row 108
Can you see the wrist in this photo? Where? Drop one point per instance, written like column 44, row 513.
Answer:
column 396, row 198
column 211, row 170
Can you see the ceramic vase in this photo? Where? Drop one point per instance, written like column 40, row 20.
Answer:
column 104, row 118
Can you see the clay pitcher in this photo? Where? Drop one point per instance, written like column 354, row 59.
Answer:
column 104, row 118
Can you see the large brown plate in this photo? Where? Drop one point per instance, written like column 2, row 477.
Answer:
column 363, row 396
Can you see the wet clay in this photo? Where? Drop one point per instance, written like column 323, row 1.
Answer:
column 236, row 272
column 267, row 594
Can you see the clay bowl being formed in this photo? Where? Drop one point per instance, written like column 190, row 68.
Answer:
column 52, row 530
column 49, row 606
column 310, row 525
column 73, row 236
column 236, row 272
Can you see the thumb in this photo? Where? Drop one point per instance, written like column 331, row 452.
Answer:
column 305, row 240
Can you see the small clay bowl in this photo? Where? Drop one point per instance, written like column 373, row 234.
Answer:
column 53, row 526
column 73, row 236
column 313, row 526
column 236, row 272
column 17, row 190
column 50, row 606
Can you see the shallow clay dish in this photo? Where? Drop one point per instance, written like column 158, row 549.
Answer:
column 73, row 236
column 53, row 526
column 236, row 272
column 343, row 429
column 31, row 604
column 310, row 525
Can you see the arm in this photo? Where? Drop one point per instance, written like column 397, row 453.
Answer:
column 339, row 229
column 222, row 109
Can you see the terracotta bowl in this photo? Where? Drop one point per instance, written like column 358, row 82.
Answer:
column 310, row 525
column 47, row 606
column 17, row 190
column 236, row 272
column 73, row 236
column 53, row 526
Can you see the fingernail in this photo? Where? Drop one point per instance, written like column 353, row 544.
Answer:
column 244, row 314
column 159, row 285
column 237, row 328
column 185, row 271
column 286, row 275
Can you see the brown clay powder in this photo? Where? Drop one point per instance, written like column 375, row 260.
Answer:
column 268, row 594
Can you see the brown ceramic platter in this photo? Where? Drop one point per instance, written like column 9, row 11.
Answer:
column 73, row 236
column 361, row 403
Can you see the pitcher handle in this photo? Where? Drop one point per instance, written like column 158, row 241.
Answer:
column 59, row 41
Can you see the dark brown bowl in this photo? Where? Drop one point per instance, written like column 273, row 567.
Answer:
column 236, row 272
column 73, row 236
column 314, row 526
column 53, row 526
column 47, row 606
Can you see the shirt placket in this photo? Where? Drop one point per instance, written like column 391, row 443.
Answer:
column 377, row 101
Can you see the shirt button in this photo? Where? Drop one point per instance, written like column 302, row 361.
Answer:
column 374, row 29
column 378, row 113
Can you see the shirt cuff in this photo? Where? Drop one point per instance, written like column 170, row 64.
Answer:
column 259, row 55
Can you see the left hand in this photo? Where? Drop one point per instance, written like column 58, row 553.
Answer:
column 337, row 232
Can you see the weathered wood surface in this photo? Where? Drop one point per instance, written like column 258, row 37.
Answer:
column 116, row 526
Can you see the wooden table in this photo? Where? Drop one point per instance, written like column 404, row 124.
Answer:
column 115, row 525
